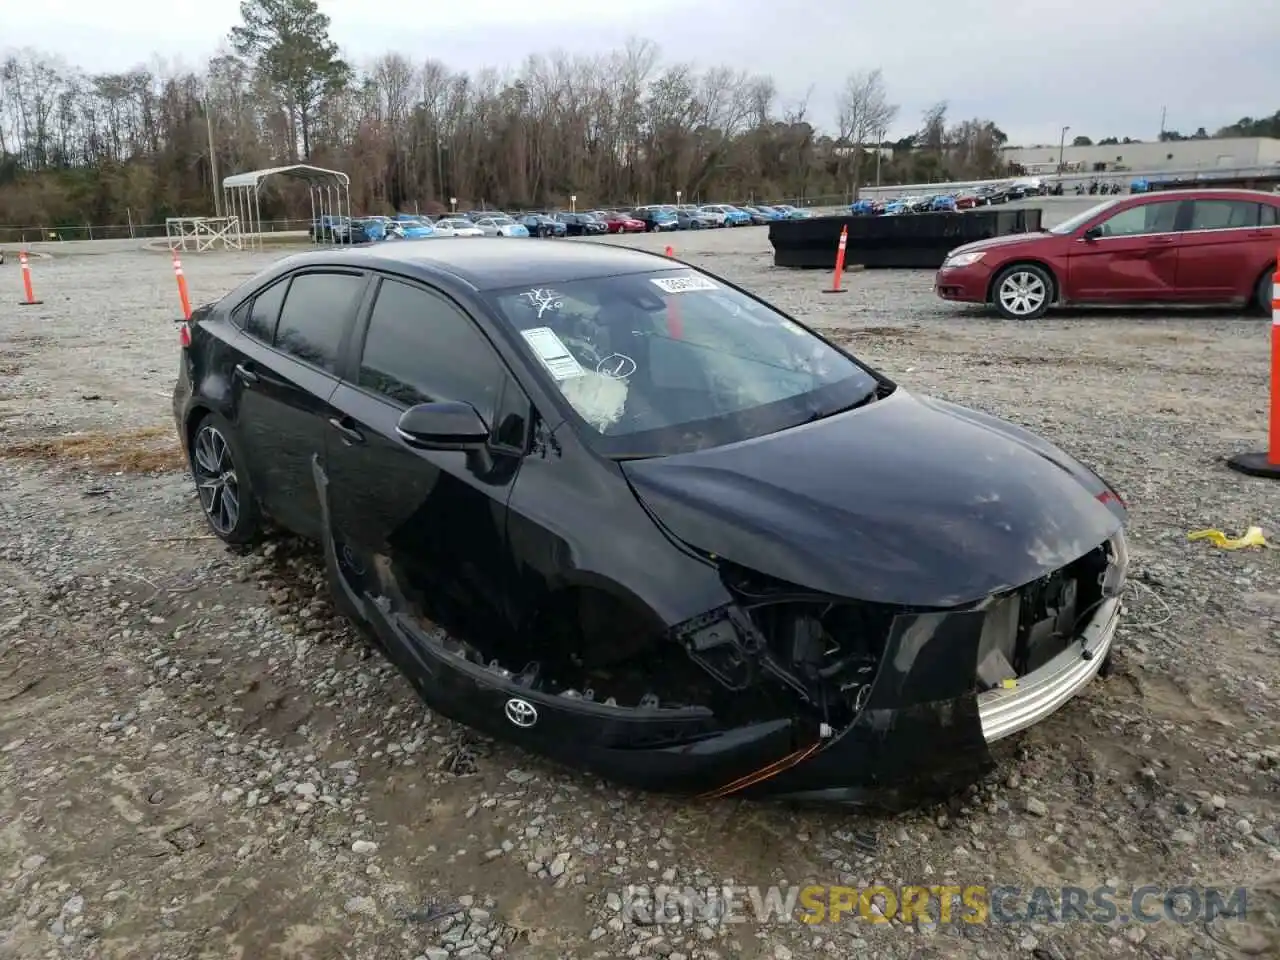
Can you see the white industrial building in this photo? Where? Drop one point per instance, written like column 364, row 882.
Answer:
column 1235, row 153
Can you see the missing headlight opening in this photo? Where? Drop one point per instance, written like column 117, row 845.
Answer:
column 791, row 647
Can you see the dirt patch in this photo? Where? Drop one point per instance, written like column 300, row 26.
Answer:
column 146, row 450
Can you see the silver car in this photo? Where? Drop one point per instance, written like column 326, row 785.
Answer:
column 500, row 225
column 456, row 227
column 712, row 213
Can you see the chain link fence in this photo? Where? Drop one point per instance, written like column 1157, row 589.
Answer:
column 13, row 234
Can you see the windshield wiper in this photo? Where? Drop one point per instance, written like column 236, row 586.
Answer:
column 875, row 393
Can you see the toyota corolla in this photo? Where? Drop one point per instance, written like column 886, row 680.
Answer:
column 624, row 513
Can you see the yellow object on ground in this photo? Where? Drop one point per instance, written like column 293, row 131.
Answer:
column 1252, row 538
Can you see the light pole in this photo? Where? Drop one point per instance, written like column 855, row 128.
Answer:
column 1062, row 146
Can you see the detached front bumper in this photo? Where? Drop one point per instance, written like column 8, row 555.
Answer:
column 1041, row 692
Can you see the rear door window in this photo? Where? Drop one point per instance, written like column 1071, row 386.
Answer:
column 264, row 311
column 316, row 315
column 1269, row 216
column 1223, row 214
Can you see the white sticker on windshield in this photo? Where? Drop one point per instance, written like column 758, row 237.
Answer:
column 683, row 284
column 555, row 356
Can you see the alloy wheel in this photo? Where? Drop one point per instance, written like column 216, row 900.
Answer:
column 215, row 475
column 1022, row 293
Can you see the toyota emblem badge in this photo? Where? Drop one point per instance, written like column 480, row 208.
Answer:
column 521, row 712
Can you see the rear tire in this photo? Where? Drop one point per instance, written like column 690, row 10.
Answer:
column 218, row 466
column 1023, row 291
column 1265, row 291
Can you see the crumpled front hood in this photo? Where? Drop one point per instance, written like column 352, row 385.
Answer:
column 907, row 501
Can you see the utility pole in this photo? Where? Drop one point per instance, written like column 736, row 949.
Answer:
column 1062, row 146
column 213, row 161
column 1164, row 113
column 879, row 153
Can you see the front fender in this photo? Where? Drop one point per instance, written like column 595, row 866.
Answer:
column 577, row 524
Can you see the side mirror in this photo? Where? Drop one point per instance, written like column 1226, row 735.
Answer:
column 1093, row 233
column 447, row 425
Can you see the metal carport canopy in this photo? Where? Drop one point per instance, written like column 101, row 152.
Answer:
column 302, row 171
column 330, row 192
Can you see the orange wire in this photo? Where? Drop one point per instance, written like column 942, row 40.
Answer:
column 764, row 773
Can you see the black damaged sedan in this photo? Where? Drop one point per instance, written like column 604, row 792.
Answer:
column 623, row 513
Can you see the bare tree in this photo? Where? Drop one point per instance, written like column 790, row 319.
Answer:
column 933, row 129
column 864, row 115
column 616, row 129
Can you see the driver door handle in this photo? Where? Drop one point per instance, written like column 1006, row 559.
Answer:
column 245, row 374
column 346, row 428
column 1161, row 241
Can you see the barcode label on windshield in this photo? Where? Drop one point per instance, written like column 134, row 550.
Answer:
column 683, row 284
column 555, row 356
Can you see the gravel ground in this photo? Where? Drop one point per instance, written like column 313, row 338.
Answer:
column 198, row 759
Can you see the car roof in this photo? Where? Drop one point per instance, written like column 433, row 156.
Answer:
column 487, row 263
column 1210, row 193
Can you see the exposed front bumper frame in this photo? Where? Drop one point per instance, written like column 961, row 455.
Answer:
column 1004, row 712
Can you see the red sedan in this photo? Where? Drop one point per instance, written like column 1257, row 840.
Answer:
column 620, row 222
column 1183, row 247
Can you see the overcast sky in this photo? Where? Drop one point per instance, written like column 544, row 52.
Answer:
column 1104, row 67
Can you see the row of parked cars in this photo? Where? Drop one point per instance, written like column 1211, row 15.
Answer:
column 986, row 195
column 494, row 223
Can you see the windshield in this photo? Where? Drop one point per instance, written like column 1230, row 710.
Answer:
column 666, row 362
column 502, row 221
column 1074, row 223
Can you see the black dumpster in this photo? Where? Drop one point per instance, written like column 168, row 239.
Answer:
column 919, row 240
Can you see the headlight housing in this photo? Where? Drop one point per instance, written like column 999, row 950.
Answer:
column 964, row 259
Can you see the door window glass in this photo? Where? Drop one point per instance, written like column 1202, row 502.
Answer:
column 264, row 311
column 1144, row 218
column 315, row 316
column 1269, row 216
column 421, row 348
column 1223, row 214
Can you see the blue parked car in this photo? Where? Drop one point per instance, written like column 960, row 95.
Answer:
column 792, row 213
column 375, row 228
column 862, row 208
column 733, row 217
column 771, row 213
column 943, row 203
column 1140, row 185
column 406, row 226
column 761, row 215
column 895, row 207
